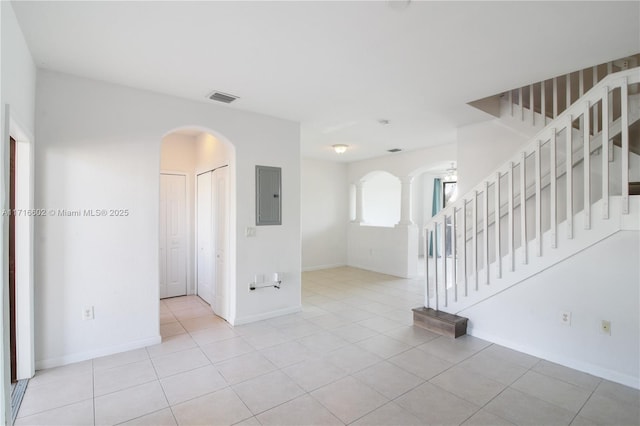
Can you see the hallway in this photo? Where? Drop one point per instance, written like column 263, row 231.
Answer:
column 350, row 357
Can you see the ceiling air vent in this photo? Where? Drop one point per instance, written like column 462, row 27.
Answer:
column 394, row 150
column 222, row 97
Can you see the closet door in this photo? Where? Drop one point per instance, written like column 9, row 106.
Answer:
column 173, row 238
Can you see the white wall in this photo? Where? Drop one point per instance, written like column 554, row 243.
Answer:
column 483, row 147
column 324, row 213
column 599, row 283
column 381, row 199
column 99, row 147
column 17, row 89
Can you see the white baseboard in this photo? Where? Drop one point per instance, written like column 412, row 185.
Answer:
column 320, row 267
column 266, row 315
column 585, row 367
column 83, row 356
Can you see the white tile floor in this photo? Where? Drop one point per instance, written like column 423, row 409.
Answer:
column 351, row 357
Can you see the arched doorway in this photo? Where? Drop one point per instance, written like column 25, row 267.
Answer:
column 197, row 217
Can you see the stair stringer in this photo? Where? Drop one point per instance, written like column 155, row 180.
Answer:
column 566, row 248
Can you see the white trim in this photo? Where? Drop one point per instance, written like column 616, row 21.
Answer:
column 586, row 367
column 266, row 315
column 83, row 356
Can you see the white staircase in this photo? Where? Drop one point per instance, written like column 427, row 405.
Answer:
column 539, row 209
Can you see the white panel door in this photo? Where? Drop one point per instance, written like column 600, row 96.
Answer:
column 221, row 232
column 173, row 239
column 204, row 223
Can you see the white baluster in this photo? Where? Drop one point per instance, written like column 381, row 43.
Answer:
column 586, row 162
column 434, row 246
column 443, row 257
column 555, row 97
column 553, row 189
column 426, row 265
column 569, row 176
column 474, row 228
column 512, row 254
column 454, row 255
column 543, row 102
column 485, row 228
column 624, row 121
column 605, row 153
column 520, row 101
column 464, row 248
column 568, row 92
column 523, row 207
column 496, row 222
column 532, row 105
column 538, row 216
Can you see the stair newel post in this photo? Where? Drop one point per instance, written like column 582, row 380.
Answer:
column 569, row 175
column 555, row 97
column 464, row 248
column 605, row 153
column 532, row 104
column 474, row 230
column 426, row 240
column 553, row 197
column 485, row 231
column 496, row 225
column 523, row 207
column 454, row 255
column 624, row 128
column 538, row 215
column 586, row 144
column 512, row 254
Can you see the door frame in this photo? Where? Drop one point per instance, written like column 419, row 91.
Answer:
column 187, row 224
column 227, row 263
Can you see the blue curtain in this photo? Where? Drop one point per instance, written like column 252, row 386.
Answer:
column 436, row 206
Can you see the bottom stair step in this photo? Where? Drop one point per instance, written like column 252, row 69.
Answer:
column 440, row 322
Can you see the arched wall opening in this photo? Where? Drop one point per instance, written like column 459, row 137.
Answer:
column 203, row 163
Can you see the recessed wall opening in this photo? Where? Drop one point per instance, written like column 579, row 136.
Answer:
column 195, row 226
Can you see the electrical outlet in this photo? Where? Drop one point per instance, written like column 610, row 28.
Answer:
column 565, row 318
column 605, row 327
column 87, row 313
column 250, row 231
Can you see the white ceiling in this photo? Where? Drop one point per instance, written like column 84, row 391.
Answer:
column 336, row 67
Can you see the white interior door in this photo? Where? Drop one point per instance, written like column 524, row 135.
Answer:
column 204, row 234
column 173, row 238
column 221, row 232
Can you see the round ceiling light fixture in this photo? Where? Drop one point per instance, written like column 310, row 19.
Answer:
column 340, row 148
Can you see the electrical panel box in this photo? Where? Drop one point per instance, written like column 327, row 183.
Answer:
column 268, row 195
